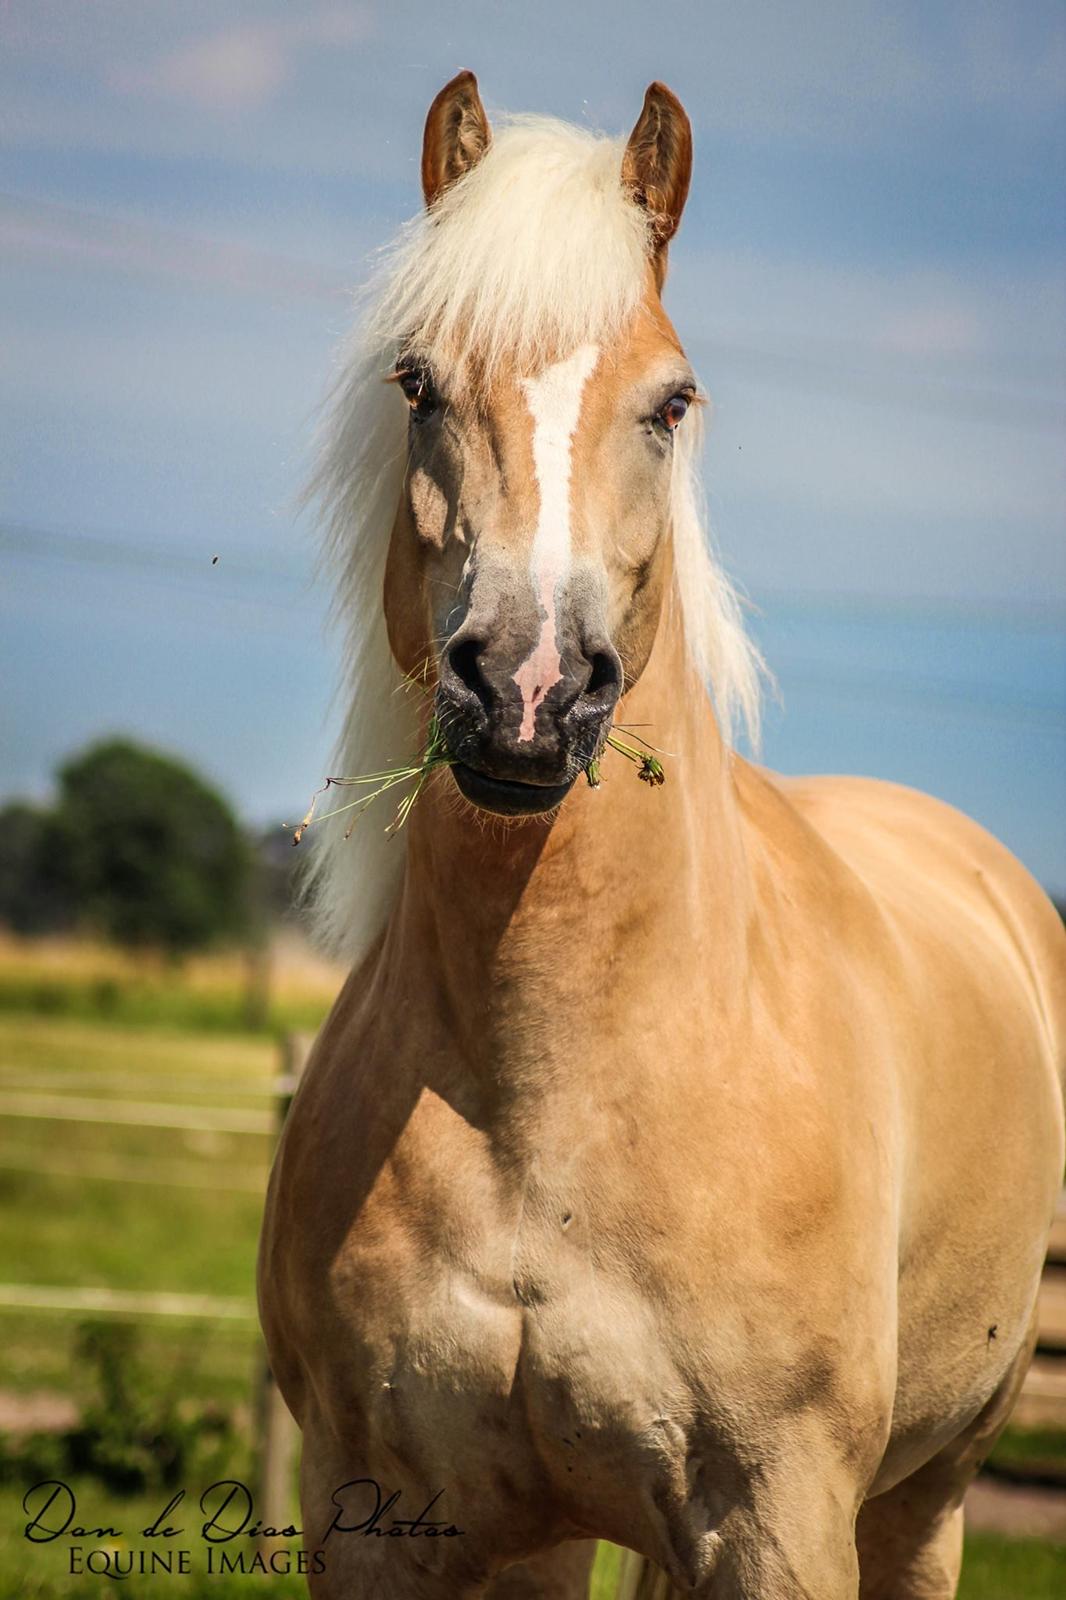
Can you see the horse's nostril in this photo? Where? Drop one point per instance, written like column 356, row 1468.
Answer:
column 605, row 673
column 464, row 660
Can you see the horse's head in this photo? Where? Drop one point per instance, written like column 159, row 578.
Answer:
column 547, row 393
column 524, row 491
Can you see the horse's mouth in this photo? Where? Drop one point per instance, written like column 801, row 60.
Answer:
column 505, row 797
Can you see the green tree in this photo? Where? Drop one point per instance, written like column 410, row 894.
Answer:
column 32, row 898
column 150, row 853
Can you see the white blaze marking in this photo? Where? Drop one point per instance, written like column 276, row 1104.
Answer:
column 554, row 401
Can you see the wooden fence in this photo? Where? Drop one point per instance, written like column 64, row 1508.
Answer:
column 275, row 1431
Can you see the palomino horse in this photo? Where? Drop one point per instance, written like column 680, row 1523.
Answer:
column 676, row 1165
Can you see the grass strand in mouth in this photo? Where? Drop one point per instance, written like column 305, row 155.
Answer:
column 436, row 755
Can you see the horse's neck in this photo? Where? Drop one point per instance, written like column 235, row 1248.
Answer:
column 508, row 929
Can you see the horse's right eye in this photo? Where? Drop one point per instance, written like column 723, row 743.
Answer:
column 417, row 386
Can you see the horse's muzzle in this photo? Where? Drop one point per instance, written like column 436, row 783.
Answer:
column 519, row 746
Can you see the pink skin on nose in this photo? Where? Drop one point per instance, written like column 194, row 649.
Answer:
column 543, row 669
column 554, row 401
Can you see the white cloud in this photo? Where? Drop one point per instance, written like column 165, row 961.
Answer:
column 227, row 72
column 243, row 67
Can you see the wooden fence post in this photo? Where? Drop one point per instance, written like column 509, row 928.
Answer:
column 278, row 1432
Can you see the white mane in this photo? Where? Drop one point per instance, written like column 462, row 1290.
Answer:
column 536, row 250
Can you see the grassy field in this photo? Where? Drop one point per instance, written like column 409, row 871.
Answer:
column 995, row 1568
column 130, row 1206
column 133, row 1208
column 141, row 1209
column 81, row 978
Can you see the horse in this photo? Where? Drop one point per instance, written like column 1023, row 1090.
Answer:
column 676, row 1165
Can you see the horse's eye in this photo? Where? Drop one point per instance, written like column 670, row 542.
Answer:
column 417, row 386
column 672, row 414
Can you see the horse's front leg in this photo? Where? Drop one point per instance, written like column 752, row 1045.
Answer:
column 760, row 1562
column 786, row 1532
column 799, row 1551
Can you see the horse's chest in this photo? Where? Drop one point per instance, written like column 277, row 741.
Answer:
column 557, row 1375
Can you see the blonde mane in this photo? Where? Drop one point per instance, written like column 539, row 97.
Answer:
column 536, row 250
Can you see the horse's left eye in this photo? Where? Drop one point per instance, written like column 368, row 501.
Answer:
column 417, row 386
column 672, row 414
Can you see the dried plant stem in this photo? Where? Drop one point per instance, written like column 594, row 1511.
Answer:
column 434, row 755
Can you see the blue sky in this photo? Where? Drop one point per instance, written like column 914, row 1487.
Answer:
column 869, row 278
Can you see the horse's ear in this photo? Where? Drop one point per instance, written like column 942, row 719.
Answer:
column 456, row 137
column 657, row 164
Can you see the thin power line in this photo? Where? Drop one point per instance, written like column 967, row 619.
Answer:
column 111, row 550
column 269, row 591
column 123, row 551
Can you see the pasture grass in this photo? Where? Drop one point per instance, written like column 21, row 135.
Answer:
column 413, row 777
column 603, row 1584
column 63, row 1224
column 1040, row 1450
column 84, row 978
column 70, row 1227
column 207, row 1363
column 997, row 1568
column 91, row 1232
